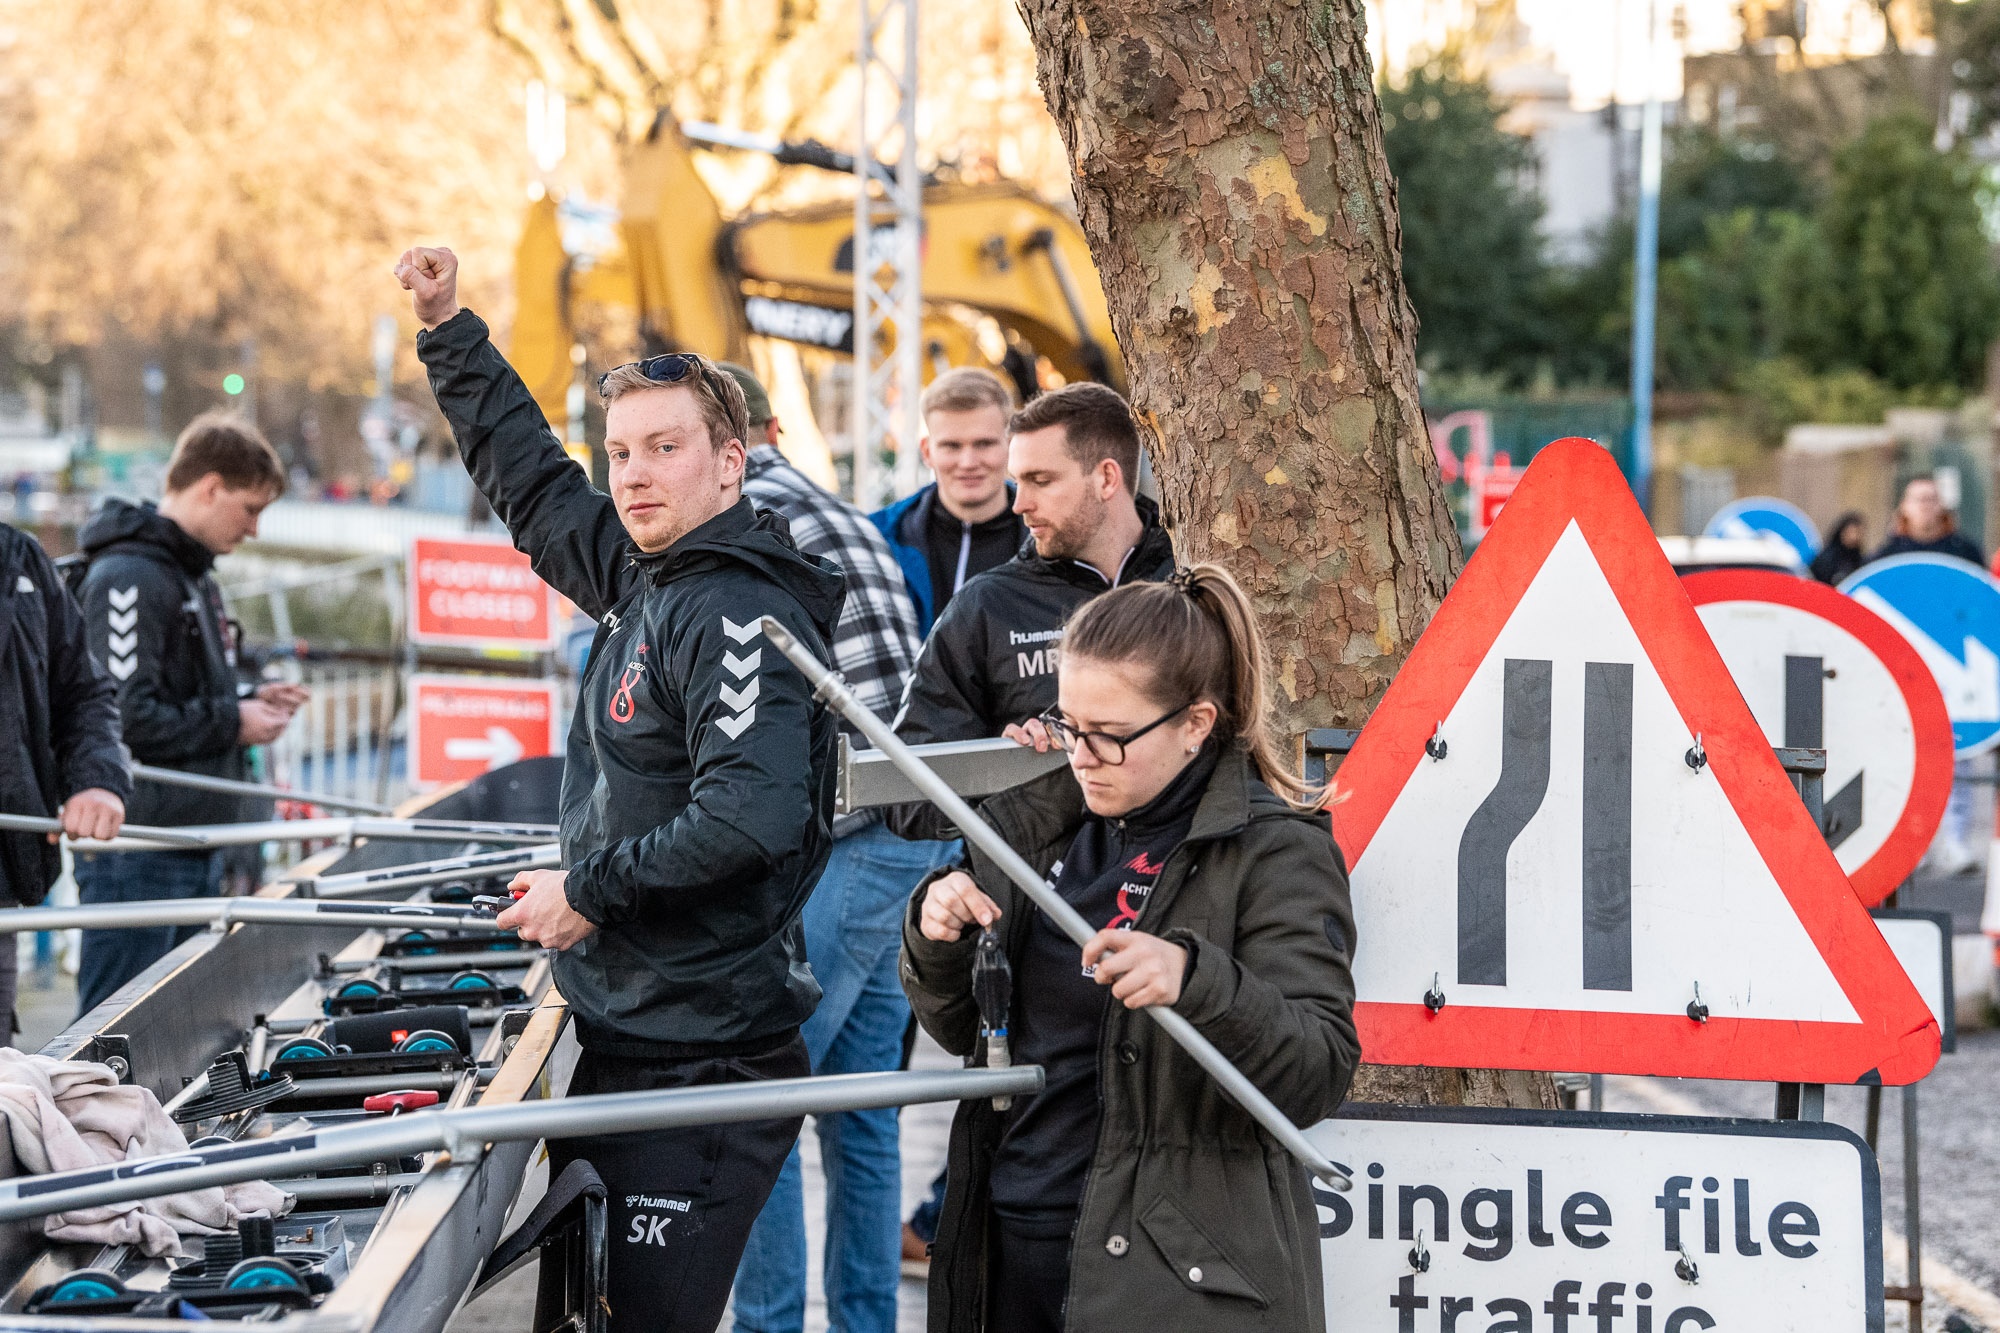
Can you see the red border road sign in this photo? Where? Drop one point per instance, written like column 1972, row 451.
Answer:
column 1928, row 732
column 1573, row 504
column 470, row 593
column 462, row 726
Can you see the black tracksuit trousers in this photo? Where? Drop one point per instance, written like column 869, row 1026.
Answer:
column 681, row 1200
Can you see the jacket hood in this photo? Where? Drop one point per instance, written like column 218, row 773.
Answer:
column 1155, row 547
column 744, row 534
column 119, row 522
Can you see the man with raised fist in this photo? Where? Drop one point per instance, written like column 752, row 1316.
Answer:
column 697, row 793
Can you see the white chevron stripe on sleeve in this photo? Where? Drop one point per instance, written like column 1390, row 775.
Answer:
column 733, row 727
column 122, row 621
column 743, row 666
column 124, row 599
column 740, row 699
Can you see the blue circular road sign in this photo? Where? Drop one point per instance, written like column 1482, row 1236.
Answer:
column 1949, row 610
column 1761, row 513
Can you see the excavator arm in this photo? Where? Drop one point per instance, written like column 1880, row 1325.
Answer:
column 696, row 281
column 996, row 249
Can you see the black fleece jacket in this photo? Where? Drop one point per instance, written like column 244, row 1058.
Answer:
column 698, row 785
column 58, row 714
column 157, row 624
column 991, row 659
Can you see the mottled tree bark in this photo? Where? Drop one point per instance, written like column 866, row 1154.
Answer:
column 1227, row 157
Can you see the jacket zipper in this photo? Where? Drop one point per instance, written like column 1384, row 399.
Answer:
column 1104, row 1056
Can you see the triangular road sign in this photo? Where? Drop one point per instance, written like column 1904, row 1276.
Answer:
column 1563, row 820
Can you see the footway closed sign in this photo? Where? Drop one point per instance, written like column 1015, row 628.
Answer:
column 1466, row 1221
column 477, row 594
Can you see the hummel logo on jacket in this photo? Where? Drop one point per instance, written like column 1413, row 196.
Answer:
column 157, row 624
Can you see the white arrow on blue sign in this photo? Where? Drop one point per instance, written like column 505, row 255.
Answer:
column 1949, row 610
column 1762, row 513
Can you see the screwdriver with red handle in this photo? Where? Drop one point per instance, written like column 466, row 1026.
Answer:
column 395, row 1103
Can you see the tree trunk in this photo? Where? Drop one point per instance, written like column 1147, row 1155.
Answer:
column 1228, row 166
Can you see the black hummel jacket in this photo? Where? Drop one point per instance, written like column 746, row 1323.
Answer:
column 157, row 624
column 58, row 716
column 991, row 658
column 698, row 786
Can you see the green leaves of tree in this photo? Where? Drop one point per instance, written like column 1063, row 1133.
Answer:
column 1471, row 212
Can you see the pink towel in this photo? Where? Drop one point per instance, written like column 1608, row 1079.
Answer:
column 67, row 1114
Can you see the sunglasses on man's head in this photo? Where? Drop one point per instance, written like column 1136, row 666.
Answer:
column 669, row 369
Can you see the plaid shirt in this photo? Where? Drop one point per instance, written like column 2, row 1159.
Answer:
column 876, row 639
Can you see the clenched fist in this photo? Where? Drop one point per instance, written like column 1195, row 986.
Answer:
column 430, row 275
column 92, row 813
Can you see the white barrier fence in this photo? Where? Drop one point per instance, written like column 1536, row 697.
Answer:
column 346, row 740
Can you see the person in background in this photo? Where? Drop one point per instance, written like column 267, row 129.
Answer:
column 1210, row 870
column 59, row 712
column 1924, row 526
column 157, row 623
column 1845, row 549
column 961, row 525
column 853, row 922
column 951, row 531
column 990, row 660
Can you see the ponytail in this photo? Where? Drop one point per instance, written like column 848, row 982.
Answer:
column 1197, row 636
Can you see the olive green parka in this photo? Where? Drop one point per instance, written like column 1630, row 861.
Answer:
column 1192, row 1217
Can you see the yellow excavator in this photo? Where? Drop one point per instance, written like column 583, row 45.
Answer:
column 1007, row 278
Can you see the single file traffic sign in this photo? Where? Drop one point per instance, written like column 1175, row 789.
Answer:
column 1949, row 610
column 462, row 726
column 1821, row 670
column 1573, row 845
column 1758, row 514
column 1527, row 1221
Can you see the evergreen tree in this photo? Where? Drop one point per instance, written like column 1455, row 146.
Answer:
column 1913, row 298
column 1472, row 249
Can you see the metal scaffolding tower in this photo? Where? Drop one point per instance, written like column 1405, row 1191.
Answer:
column 888, row 226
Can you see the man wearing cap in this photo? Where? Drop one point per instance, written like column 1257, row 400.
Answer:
column 853, row 924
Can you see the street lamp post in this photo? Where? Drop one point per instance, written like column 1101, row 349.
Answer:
column 1645, row 279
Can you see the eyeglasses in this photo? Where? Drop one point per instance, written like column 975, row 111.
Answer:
column 669, row 369
column 1107, row 748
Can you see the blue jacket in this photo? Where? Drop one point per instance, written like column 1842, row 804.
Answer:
column 912, row 514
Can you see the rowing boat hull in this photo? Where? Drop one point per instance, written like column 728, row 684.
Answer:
column 168, row 1023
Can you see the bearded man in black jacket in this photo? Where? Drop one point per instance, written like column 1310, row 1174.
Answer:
column 697, row 789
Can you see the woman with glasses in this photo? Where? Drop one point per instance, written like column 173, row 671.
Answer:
column 1131, row 1192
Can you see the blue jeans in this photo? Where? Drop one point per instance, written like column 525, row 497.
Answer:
column 113, row 957
column 853, row 927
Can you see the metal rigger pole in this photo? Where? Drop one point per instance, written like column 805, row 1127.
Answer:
column 829, row 687
column 225, row 912
column 173, row 777
column 463, row 1134
column 419, row 873
column 139, row 837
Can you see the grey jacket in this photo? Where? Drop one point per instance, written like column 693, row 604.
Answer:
column 1182, row 1179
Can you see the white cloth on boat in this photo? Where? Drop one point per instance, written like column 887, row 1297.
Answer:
column 68, row 1114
